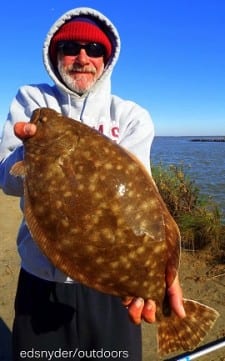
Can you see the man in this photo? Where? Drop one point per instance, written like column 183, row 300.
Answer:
column 53, row 312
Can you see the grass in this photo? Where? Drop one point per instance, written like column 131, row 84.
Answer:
column 198, row 216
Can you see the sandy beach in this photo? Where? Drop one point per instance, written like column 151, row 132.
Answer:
column 201, row 281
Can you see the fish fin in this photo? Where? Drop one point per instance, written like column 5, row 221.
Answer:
column 176, row 334
column 31, row 220
column 46, row 245
column 18, row 169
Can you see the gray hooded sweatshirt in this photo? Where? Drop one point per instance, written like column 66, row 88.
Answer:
column 121, row 120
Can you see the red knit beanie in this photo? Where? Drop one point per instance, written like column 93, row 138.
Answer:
column 80, row 29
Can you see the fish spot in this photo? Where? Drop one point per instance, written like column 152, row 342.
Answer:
column 97, row 163
column 131, row 194
column 90, row 248
column 119, row 167
column 66, row 244
column 68, row 194
column 99, row 260
column 99, row 212
column 87, row 154
column 115, row 207
column 127, row 265
column 123, row 259
column 145, row 284
column 98, row 195
column 124, row 278
column 80, row 187
column 65, row 222
column 144, row 206
column 132, row 255
column 114, row 264
column 120, row 223
column 107, row 233
column 102, row 177
column 140, row 250
column 108, row 166
column 148, row 262
column 146, row 239
column 105, row 150
column 129, row 208
column 138, row 216
column 92, row 187
column 131, row 168
column 144, row 225
column 80, row 169
column 134, row 283
column 58, row 204
column 74, row 231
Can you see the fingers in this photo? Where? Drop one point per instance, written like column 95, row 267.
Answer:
column 139, row 309
column 148, row 312
column 176, row 298
column 24, row 130
column 135, row 309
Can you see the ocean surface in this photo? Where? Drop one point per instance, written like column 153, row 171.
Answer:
column 203, row 161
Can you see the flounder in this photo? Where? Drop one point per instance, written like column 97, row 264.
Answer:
column 96, row 213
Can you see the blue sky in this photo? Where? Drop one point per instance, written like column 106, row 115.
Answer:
column 172, row 60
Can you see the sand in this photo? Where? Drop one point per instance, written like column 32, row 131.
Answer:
column 200, row 280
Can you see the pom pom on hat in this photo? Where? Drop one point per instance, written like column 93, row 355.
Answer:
column 80, row 29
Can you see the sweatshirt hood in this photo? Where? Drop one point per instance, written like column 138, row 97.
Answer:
column 104, row 81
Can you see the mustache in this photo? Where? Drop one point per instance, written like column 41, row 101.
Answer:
column 82, row 69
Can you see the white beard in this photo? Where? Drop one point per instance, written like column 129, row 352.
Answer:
column 76, row 84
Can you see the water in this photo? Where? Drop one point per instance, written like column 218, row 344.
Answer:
column 203, row 161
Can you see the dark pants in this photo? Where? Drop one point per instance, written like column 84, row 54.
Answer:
column 58, row 321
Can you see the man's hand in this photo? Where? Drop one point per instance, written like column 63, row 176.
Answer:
column 139, row 309
column 24, row 130
column 176, row 298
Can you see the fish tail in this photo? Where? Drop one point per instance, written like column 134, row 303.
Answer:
column 176, row 334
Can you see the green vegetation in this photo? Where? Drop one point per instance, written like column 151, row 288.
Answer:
column 197, row 216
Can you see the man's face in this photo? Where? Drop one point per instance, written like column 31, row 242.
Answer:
column 80, row 72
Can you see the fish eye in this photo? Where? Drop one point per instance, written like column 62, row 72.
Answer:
column 43, row 119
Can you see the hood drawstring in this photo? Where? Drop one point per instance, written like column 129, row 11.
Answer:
column 70, row 106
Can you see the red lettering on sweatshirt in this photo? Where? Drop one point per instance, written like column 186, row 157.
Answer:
column 114, row 131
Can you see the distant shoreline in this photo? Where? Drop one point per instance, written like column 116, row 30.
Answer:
column 208, row 139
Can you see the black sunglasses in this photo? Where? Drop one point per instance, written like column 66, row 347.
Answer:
column 94, row 50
